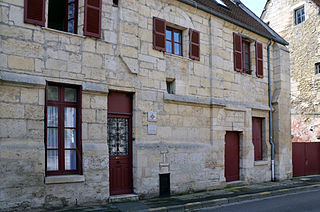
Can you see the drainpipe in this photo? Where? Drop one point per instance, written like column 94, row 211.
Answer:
column 270, row 114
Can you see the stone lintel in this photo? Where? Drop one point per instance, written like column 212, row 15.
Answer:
column 95, row 87
column 64, row 179
column 22, row 78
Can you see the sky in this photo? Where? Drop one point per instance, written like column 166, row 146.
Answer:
column 255, row 6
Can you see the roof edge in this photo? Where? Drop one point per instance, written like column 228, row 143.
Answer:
column 247, row 10
column 234, row 21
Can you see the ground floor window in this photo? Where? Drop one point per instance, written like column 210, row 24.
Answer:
column 62, row 129
column 257, row 137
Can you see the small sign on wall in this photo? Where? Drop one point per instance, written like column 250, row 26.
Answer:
column 152, row 129
column 152, row 116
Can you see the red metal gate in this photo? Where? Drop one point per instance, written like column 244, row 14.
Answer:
column 231, row 170
column 120, row 142
column 305, row 158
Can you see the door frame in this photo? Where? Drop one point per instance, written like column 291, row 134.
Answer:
column 128, row 115
column 239, row 133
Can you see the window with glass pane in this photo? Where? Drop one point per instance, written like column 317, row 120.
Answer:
column 317, row 68
column 246, row 56
column 63, row 145
column 300, row 16
column 174, row 41
column 63, row 15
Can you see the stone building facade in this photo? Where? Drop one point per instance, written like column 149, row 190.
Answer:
column 100, row 97
column 303, row 34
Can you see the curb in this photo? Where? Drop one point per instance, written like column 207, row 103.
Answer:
column 222, row 201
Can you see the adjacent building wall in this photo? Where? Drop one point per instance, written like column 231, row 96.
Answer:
column 304, row 50
column 210, row 99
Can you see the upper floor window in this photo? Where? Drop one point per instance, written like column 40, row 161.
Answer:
column 115, row 3
column 242, row 55
column 246, row 57
column 174, row 41
column 62, row 134
column 63, row 15
column 317, row 68
column 168, row 39
column 300, row 15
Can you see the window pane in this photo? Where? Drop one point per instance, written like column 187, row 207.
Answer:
column 52, row 160
column 70, row 117
column 70, row 138
column 247, row 58
column 53, row 93
column 247, row 68
column 168, row 34
column 52, row 138
column 52, row 116
column 71, row 26
column 177, row 37
column 177, row 48
column 169, row 47
column 70, row 1
column 70, row 160
column 70, row 94
column 70, row 11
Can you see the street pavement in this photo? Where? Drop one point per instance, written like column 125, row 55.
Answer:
column 301, row 201
column 233, row 193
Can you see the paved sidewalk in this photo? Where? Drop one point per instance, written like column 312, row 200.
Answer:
column 189, row 202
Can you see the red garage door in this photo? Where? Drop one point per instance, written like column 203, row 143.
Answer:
column 305, row 158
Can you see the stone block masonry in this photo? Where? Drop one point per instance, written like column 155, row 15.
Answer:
column 209, row 99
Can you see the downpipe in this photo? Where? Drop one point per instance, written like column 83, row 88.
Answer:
column 270, row 114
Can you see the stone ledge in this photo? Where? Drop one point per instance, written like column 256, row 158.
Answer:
column 261, row 163
column 231, row 105
column 95, row 87
column 64, row 179
column 22, row 78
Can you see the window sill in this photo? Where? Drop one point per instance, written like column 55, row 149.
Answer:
column 62, row 32
column 177, row 56
column 64, row 179
column 261, row 163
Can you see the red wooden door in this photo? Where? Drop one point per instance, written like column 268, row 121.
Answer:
column 312, row 158
column 298, row 158
column 231, row 156
column 120, row 142
column 257, row 137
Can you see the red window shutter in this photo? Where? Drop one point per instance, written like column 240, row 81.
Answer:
column 92, row 18
column 257, row 138
column 237, row 52
column 259, row 59
column 34, row 12
column 159, row 34
column 194, row 49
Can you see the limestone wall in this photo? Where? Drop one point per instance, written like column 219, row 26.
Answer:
column 305, row 53
column 210, row 99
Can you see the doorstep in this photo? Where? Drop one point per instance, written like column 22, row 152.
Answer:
column 235, row 183
column 123, row 198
